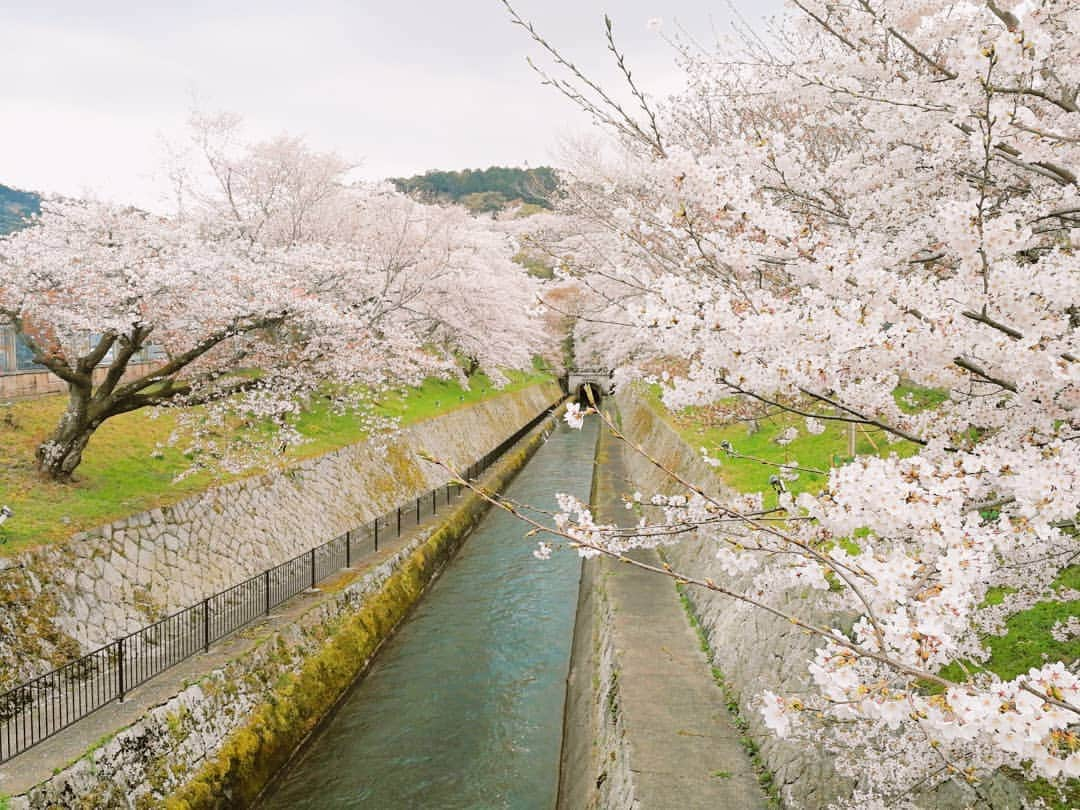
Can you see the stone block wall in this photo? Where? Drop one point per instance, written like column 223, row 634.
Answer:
column 26, row 384
column 65, row 599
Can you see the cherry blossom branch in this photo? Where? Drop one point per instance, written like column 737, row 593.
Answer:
column 830, row 634
column 980, row 372
column 621, row 120
column 730, row 451
column 1015, row 334
column 866, row 420
column 846, row 572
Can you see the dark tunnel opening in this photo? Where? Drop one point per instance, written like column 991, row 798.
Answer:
column 582, row 397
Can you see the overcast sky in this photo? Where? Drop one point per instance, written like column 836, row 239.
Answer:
column 89, row 89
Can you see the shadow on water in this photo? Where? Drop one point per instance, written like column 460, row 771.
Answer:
column 463, row 706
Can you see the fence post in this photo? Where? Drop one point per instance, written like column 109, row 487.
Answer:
column 120, row 674
column 348, row 549
column 417, row 511
column 376, row 534
column 206, row 624
column 266, row 583
column 399, row 521
column 313, row 568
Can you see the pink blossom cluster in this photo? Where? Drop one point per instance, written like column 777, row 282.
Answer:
column 879, row 195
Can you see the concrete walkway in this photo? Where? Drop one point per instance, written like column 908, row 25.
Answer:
column 684, row 749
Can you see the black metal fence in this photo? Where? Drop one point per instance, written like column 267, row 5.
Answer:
column 38, row 709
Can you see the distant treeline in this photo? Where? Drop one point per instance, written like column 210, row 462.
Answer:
column 15, row 207
column 483, row 189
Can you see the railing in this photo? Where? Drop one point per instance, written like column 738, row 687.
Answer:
column 36, row 710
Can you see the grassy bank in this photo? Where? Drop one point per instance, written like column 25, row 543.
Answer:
column 757, row 436
column 125, row 471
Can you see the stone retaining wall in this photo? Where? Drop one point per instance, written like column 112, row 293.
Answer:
column 64, row 599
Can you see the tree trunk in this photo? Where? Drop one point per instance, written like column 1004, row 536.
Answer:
column 61, row 454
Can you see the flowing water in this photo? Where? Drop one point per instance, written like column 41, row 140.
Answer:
column 463, row 707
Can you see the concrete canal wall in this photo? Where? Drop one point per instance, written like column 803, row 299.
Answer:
column 756, row 651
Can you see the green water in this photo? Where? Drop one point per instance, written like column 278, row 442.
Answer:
column 463, row 707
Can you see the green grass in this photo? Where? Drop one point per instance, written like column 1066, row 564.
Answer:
column 1028, row 638
column 709, row 427
column 1055, row 797
column 913, row 398
column 121, row 474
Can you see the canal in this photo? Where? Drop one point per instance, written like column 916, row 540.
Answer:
column 463, row 707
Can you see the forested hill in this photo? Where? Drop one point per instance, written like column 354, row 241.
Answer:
column 480, row 190
column 15, row 207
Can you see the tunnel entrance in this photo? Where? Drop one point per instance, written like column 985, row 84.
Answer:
column 589, row 394
column 585, row 381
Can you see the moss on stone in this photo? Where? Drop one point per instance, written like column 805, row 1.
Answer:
column 176, row 722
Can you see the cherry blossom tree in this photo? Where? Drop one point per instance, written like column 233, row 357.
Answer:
column 454, row 283
column 880, row 192
column 443, row 275
column 94, row 288
column 277, row 279
column 277, row 192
